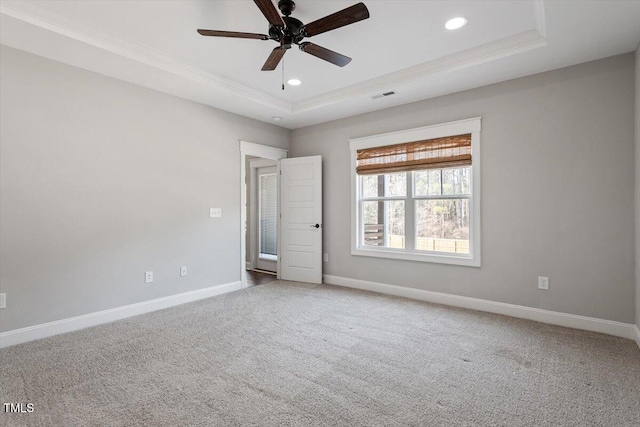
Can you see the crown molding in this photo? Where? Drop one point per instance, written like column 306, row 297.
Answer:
column 502, row 48
column 144, row 54
column 540, row 17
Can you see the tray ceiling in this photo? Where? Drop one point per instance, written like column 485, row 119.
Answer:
column 402, row 47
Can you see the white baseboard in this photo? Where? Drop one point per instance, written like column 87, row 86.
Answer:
column 609, row 327
column 30, row 333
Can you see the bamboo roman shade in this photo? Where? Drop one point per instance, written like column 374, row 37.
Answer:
column 438, row 153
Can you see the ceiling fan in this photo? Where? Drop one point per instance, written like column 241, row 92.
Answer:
column 288, row 31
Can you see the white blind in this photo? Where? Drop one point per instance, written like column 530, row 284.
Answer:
column 268, row 214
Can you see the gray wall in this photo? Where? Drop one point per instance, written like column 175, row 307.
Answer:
column 638, row 186
column 557, row 190
column 102, row 180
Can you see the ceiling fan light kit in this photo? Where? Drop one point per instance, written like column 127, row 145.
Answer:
column 290, row 31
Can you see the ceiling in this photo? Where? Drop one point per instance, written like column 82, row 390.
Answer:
column 402, row 47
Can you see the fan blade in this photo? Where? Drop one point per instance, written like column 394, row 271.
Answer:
column 324, row 53
column 346, row 16
column 233, row 34
column 274, row 59
column 270, row 12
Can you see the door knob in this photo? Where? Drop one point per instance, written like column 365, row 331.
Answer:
column 315, row 226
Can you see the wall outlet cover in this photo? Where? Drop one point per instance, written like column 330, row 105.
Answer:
column 183, row 271
column 3, row 300
column 215, row 212
column 148, row 277
column 543, row 283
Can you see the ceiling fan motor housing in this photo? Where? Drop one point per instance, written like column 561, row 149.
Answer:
column 291, row 33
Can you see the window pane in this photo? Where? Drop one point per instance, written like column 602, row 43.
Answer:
column 396, row 184
column 456, row 181
column 268, row 210
column 395, row 224
column 427, row 182
column 442, row 225
column 384, row 218
column 387, row 185
column 437, row 182
column 372, row 185
column 373, row 224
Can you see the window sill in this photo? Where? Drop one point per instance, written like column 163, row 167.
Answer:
column 439, row 258
column 268, row 257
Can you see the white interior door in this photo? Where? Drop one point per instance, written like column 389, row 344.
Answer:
column 301, row 223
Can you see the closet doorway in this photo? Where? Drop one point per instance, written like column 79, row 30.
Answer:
column 262, row 215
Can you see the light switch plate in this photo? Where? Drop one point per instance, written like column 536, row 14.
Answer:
column 183, row 271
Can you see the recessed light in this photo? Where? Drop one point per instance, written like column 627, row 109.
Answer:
column 294, row 82
column 455, row 23
column 276, row 119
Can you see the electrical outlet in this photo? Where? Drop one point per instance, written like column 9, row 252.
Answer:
column 148, row 277
column 183, row 271
column 325, row 257
column 543, row 283
column 215, row 212
column 3, row 300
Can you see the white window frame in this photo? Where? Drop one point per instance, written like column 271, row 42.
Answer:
column 473, row 259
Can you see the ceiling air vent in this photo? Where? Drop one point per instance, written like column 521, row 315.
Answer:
column 382, row 95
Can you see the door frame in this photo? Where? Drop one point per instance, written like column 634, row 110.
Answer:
column 266, row 152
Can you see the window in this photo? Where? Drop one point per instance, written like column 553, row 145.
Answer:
column 416, row 194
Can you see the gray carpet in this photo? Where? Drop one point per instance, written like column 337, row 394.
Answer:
column 295, row 354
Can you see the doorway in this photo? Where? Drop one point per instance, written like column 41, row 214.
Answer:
column 299, row 228
column 260, row 213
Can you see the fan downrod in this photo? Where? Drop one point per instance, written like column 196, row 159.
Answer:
column 286, row 7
